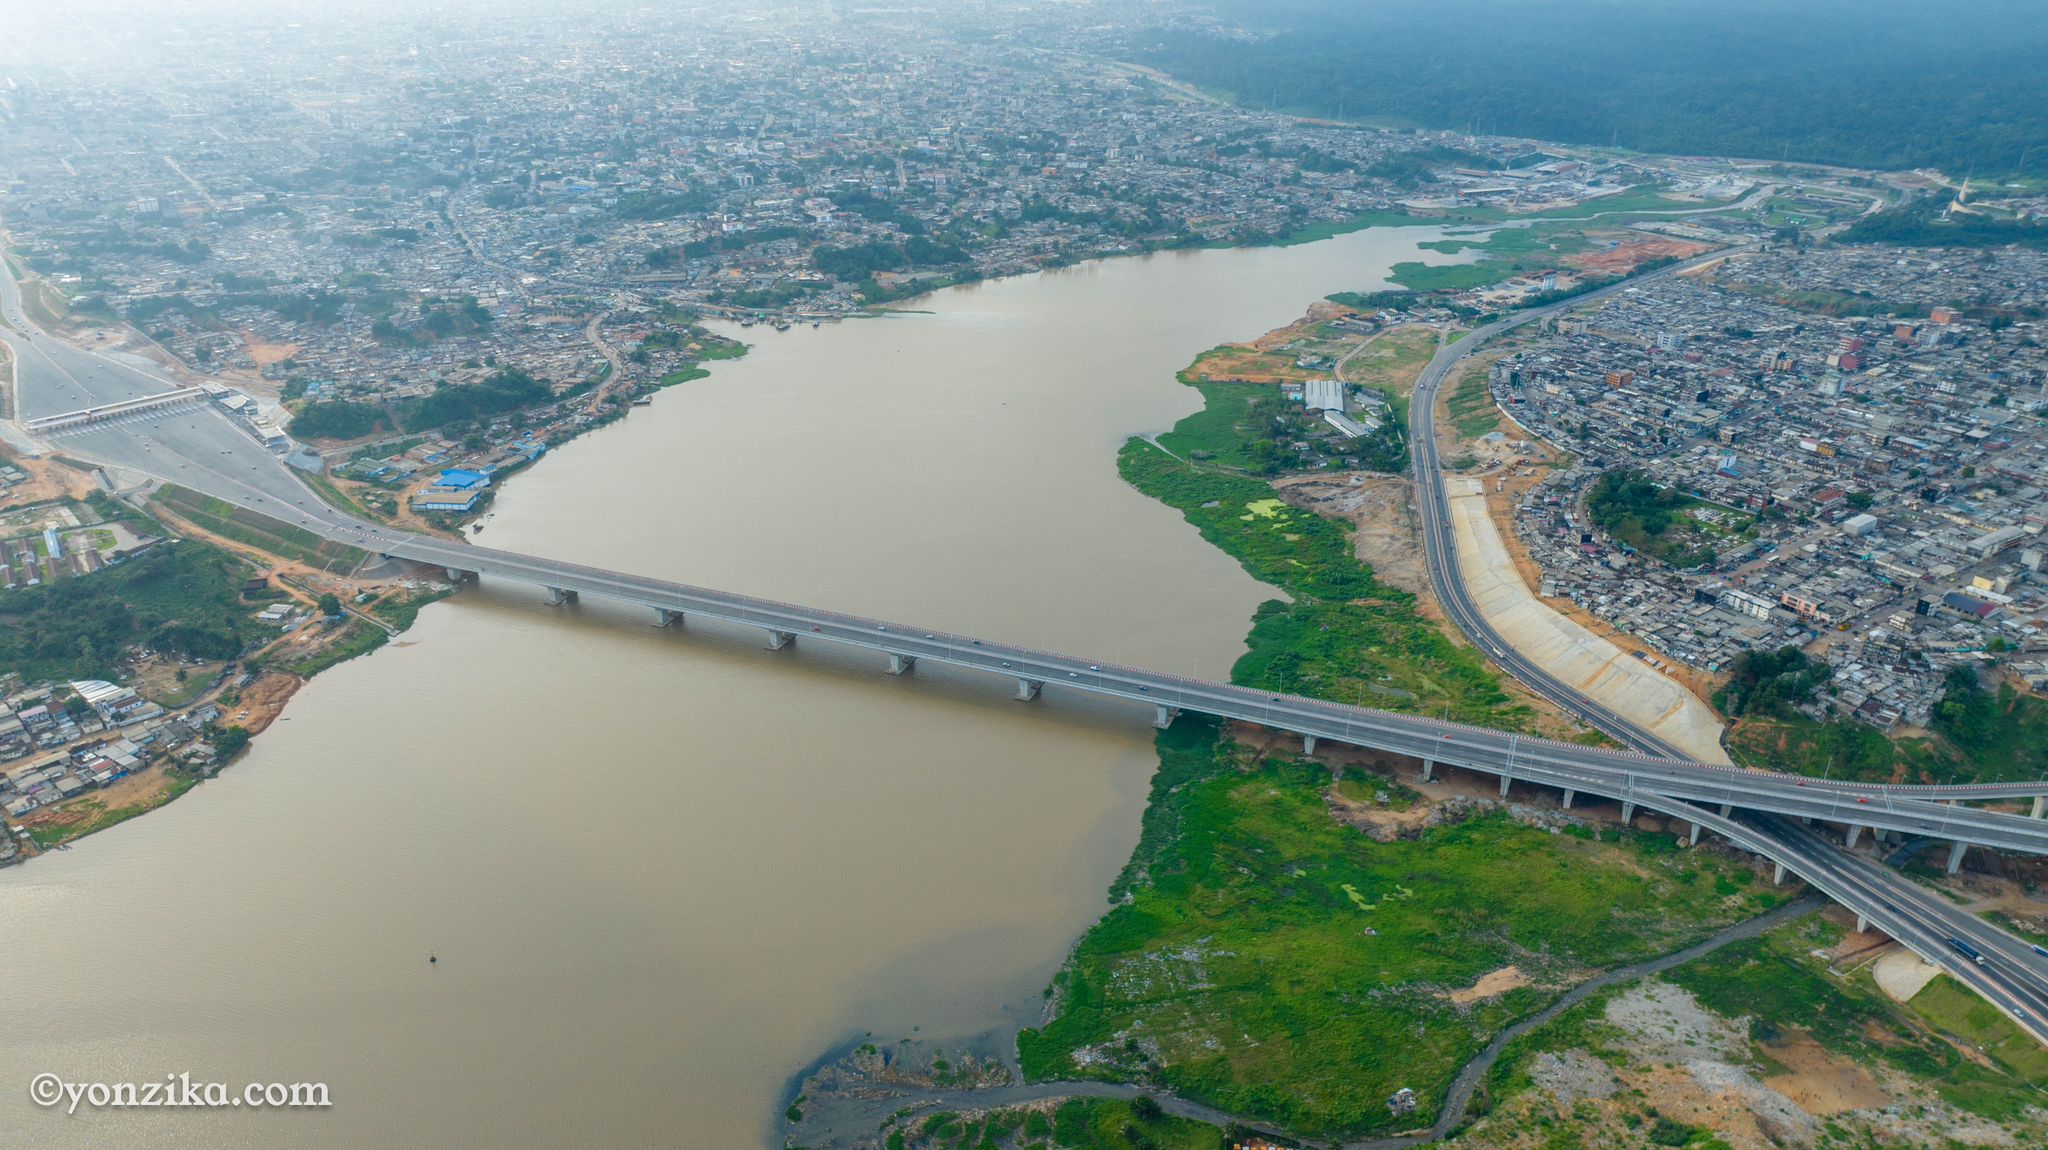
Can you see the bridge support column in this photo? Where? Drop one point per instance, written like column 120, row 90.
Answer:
column 1855, row 832
column 1428, row 769
column 1505, row 780
column 457, row 574
column 1695, row 839
column 777, row 640
column 557, row 595
column 1628, row 813
column 1308, row 744
column 1163, row 716
column 1862, row 924
column 1727, row 809
column 663, row 616
column 2040, row 804
column 1569, row 795
column 1027, row 689
column 1955, row 857
column 901, row 664
column 1777, row 874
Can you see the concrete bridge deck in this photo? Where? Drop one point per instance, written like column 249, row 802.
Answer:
column 1627, row 776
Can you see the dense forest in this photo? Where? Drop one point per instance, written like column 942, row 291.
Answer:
column 1921, row 225
column 177, row 599
column 449, row 404
column 1874, row 83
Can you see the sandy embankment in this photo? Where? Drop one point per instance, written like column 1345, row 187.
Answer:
column 1596, row 667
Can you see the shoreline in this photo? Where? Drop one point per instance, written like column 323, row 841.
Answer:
column 859, row 1109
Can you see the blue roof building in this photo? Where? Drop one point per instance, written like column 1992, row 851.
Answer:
column 463, row 478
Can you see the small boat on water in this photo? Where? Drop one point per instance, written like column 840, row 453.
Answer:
column 644, row 401
column 781, row 325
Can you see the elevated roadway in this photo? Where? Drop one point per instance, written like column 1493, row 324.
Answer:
column 198, row 448
column 2012, row 974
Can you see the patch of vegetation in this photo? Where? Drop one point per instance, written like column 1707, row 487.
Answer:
column 1920, row 225
column 2003, row 734
column 1079, row 1123
column 1838, row 748
column 1826, row 301
column 258, row 531
column 399, row 610
column 1471, row 405
column 86, row 815
column 1345, row 636
column 179, row 598
column 356, row 638
column 1771, row 683
column 1772, row 979
column 1237, row 968
column 1979, row 736
column 1955, row 1010
column 338, row 419
column 453, row 403
column 1504, row 253
column 1649, row 517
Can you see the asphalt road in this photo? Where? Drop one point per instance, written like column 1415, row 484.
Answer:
column 2011, row 976
column 201, row 449
column 53, row 377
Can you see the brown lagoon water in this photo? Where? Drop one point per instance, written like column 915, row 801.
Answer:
column 663, row 870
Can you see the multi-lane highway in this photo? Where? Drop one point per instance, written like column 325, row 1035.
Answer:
column 1623, row 775
column 1439, row 539
column 55, row 377
column 2012, row 976
column 201, row 449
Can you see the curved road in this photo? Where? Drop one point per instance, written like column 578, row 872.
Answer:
column 2012, row 976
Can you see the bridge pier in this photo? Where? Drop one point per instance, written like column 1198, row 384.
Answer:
column 1628, row 813
column 1505, row 780
column 1955, row 857
column 777, row 640
column 558, row 595
column 1027, row 689
column 456, row 574
column 1727, row 809
column 1777, row 874
column 1308, row 744
column 1862, row 924
column 1163, row 716
column 1569, row 795
column 1695, row 839
column 2040, row 804
column 1428, row 769
column 901, row 664
column 1855, row 832
column 663, row 616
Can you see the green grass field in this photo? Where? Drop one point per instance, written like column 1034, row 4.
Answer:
column 1503, row 253
column 1238, row 968
column 1470, row 404
column 1776, row 980
column 259, row 531
column 1783, row 991
column 1346, row 636
column 1220, row 432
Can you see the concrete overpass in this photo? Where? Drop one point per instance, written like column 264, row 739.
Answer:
column 1627, row 776
column 2012, row 977
column 199, row 448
